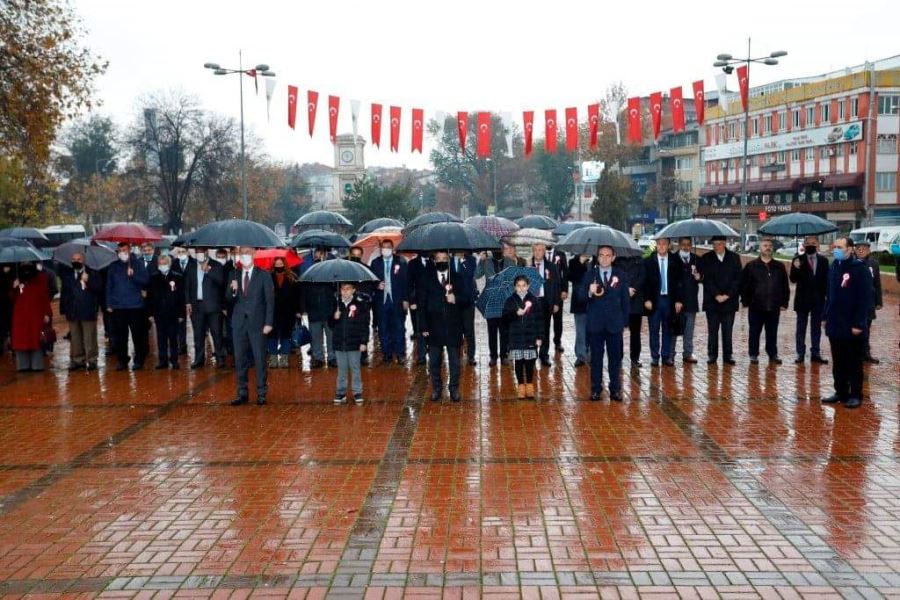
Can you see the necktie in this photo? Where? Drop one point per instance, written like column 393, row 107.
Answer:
column 443, row 280
column 664, row 289
column 812, row 264
column 246, row 282
column 606, row 278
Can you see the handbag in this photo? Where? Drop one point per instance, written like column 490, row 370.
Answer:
column 48, row 336
column 301, row 336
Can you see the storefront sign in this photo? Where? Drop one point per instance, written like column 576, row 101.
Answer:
column 820, row 136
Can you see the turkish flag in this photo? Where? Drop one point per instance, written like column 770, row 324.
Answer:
column 395, row 128
column 418, row 119
column 550, row 130
column 699, row 101
column 528, row 122
column 462, row 127
column 677, row 105
column 571, row 129
column 376, row 125
column 484, row 134
column 744, row 83
column 292, row 106
column 656, row 112
column 634, row 120
column 334, row 105
column 312, row 101
column 593, row 123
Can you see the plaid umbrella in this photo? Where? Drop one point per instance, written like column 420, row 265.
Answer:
column 501, row 286
column 530, row 236
column 495, row 226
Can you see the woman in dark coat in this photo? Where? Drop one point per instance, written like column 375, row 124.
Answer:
column 523, row 315
column 287, row 311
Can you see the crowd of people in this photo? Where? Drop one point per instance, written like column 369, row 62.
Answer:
column 256, row 316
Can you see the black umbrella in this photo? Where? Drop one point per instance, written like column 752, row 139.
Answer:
column 181, row 240
column 374, row 224
column 321, row 219
column 20, row 254
column 564, row 229
column 587, row 239
column 233, row 232
column 537, row 222
column 337, row 270
column 319, row 238
column 38, row 239
column 430, row 219
column 95, row 256
column 699, row 228
column 797, row 224
column 7, row 242
column 447, row 237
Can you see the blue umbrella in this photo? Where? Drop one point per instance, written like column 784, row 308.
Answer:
column 501, row 286
column 797, row 224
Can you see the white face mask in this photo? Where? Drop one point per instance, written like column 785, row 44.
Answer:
column 523, row 293
column 200, row 256
column 246, row 260
column 387, row 252
column 684, row 253
column 123, row 256
column 221, row 260
column 164, row 269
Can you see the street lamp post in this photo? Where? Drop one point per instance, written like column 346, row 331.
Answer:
column 727, row 63
column 261, row 69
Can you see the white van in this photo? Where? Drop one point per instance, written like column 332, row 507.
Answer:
column 879, row 236
column 60, row 234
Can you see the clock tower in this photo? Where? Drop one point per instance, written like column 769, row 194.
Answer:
column 349, row 166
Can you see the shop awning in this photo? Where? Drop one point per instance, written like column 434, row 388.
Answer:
column 843, row 180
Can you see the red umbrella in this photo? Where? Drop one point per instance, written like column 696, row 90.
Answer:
column 132, row 233
column 265, row 259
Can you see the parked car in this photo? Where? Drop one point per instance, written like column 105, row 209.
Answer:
column 646, row 241
column 895, row 246
column 752, row 242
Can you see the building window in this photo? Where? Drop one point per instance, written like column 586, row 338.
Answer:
column 755, row 127
column 840, row 110
column 731, row 131
column 889, row 105
column 886, row 181
column 823, row 152
column 683, row 163
column 685, row 187
column 810, row 116
column 825, row 108
column 795, row 154
column 852, row 148
column 782, row 121
column 796, row 118
column 887, row 143
column 780, row 157
column 854, row 107
column 810, row 153
column 839, row 150
column 767, row 124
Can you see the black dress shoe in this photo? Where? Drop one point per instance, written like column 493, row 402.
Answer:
column 799, row 360
column 819, row 360
column 754, row 360
column 730, row 361
column 654, row 363
column 636, row 364
column 690, row 360
column 595, row 396
column 492, row 362
column 399, row 361
column 137, row 367
column 560, row 350
column 853, row 402
column 579, row 362
column 545, row 362
column 454, row 396
column 436, row 395
column 261, row 401
column 332, row 364
column 504, row 361
column 615, row 396
column 872, row 360
column 833, row 399
column 774, row 360
column 240, row 400
column 76, row 367
column 318, row 364
column 472, row 362
column 91, row 367
column 669, row 363
column 711, row 361
column 161, row 366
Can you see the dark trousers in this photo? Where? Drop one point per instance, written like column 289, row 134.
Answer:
column 812, row 318
column 249, row 346
column 557, row 329
column 611, row 343
column 847, row 366
column 759, row 320
column 634, row 336
column 867, row 347
column 659, row 322
column 498, row 331
column 182, row 337
column 468, row 322
column 436, row 358
column 421, row 341
column 205, row 322
column 525, row 370
column 166, row 339
column 392, row 330
column 544, row 352
column 135, row 321
column 715, row 321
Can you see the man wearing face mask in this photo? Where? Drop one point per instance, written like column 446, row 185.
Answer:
column 498, row 329
column 253, row 296
column 721, row 271
column 204, row 283
column 180, row 265
column 809, row 273
column 687, row 263
column 863, row 251
column 392, row 302
column 148, row 257
column 165, row 299
column 847, row 308
column 765, row 292
column 443, row 297
column 126, row 282
column 79, row 302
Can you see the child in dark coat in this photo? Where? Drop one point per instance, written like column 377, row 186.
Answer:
column 523, row 315
column 350, row 327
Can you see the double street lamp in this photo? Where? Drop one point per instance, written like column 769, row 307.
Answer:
column 727, row 63
column 261, row 69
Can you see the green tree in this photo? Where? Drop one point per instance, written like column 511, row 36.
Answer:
column 293, row 200
column 610, row 207
column 554, row 184
column 370, row 200
column 91, row 148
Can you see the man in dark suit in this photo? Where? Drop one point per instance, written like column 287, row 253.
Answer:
column 863, row 251
column 180, row 264
column 79, row 301
column 562, row 265
column 227, row 271
column 416, row 270
column 443, row 298
column 765, row 291
column 634, row 270
column 148, row 257
column 606, row 290
column 165, row 299
column 252, row 319
column 463, row 266
column 204, row 284
column 809, row 271
column 846, row 319
column 662, row 300
column 721, row 270
column 392, row 302
column 550, row 293
column 689, row 271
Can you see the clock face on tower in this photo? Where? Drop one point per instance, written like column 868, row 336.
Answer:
column 347, row 157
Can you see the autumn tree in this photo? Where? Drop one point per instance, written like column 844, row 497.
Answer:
column 610, row 206
column 554, row 184
column 46, row 76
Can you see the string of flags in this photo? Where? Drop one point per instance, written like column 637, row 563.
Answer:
column 570, row 125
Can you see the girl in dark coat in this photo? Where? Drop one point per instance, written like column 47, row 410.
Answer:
column 523, row 314
column 287, row 311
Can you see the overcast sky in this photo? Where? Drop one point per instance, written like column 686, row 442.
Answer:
column 458, row 55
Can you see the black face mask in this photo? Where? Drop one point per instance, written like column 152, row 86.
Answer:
column 498, row 255
column 26, row 271
column 355, row 259
column 810, row 249
column 77, row 266
column 442, row 266
column 279, row 269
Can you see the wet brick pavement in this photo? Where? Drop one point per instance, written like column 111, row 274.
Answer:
column 705, row 483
